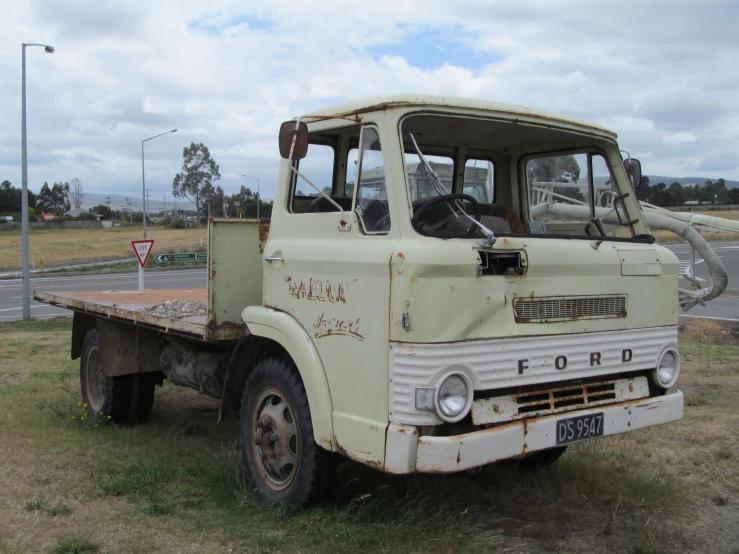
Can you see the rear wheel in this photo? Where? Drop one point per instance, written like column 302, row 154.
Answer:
column 281, row 458
column 124, row 399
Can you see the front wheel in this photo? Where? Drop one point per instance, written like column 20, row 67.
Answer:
column 281, row 458
column 543, row 458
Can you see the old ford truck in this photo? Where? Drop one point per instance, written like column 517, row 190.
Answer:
column 444, row 283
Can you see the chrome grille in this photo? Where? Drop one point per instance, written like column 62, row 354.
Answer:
column 536, row 310
column 555, row 399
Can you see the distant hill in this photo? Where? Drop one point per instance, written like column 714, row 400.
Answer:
column 654, row 179
column 118, row 201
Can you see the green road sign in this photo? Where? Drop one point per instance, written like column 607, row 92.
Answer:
column 184, row 257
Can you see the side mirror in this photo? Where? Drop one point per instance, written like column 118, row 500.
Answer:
column 633, row 170
column 288, row 130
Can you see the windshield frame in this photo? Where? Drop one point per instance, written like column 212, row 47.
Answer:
column 588, row 142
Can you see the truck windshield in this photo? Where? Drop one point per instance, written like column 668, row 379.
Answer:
column 572, row 192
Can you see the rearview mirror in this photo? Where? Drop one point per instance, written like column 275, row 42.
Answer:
column 633, row 170
column 287, row 132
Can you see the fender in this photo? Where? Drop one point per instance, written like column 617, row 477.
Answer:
column 288, row 333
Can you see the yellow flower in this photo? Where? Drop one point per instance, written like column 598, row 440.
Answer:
column 100, row 413
column 85, row 406
column 74, row 417
column 82, row 418
column 79, row 403
column 110, row 417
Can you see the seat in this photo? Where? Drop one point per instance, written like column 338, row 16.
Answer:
column 321, row 204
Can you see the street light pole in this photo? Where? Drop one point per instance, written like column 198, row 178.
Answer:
column 143, row 189
column 26, row 274
column 258, row 196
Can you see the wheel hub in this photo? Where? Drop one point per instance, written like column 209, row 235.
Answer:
column 275, row 438
column 95, row 380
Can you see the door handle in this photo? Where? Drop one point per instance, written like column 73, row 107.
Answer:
column 271, row 259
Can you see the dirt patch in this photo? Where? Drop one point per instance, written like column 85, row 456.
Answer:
column 709, row 331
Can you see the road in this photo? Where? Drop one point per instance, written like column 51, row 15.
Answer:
column 11, row 290
column 725, row 307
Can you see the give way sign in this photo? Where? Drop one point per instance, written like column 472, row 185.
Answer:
column 142, row 248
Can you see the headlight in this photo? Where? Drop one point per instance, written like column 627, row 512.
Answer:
column 453, row 397
column 668, row 369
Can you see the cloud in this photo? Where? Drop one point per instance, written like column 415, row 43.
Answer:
column 227, row 73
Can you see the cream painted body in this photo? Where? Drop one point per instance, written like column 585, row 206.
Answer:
column 367, row 305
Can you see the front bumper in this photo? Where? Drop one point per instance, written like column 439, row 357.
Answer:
column 406, row 452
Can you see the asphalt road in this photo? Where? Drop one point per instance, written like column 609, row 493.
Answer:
column 725, row 307
column 11, row 289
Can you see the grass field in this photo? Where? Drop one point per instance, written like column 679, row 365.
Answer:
column 175, row 484
column 70, row 246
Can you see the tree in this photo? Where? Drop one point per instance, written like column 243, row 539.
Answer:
column 77, row 196
column 195, row 181
column 54, row 199
column 676, row 195
column 11, row 198
column 103, row 211
column 657, row 195
column 556, row 169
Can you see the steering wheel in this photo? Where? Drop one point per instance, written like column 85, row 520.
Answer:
column 448, row 199
column 375, row 215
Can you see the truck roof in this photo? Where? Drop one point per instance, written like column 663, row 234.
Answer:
column 375, row 103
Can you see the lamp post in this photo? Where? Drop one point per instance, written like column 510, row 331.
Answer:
column 258, row 197
column 143, row 189
column 26, row 277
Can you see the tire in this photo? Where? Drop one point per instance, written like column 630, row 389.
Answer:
column 543, row 458
column 282, row 460
column 124, row 399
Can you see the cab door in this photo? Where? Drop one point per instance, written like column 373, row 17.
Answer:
column 330, row 271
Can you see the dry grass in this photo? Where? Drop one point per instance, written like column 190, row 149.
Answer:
column 70, row 246
column 667, row 236
column 708, row 331
column 175, row 484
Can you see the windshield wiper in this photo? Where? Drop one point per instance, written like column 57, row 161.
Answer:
column 433, row 177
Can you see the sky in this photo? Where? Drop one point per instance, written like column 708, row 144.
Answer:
column 662, row 74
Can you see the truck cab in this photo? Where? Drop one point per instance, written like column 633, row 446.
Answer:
column 444, row 283
column 445, row 348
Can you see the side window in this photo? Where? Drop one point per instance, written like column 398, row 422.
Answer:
column 371, row 193
column 319, row 167
column 479, row 180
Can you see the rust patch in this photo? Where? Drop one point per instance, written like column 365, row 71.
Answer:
column 326, row 327
column 263, row 234
column 376, row 464
column 505, row 300
column 400, row 255
column 408, row 431
column 319, row 290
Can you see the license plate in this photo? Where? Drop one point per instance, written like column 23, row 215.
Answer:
column 574, row 429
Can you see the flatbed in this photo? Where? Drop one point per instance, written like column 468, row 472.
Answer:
column 132, row 306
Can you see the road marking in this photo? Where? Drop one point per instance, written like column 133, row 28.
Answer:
column 710, row 317
column 21, row 307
